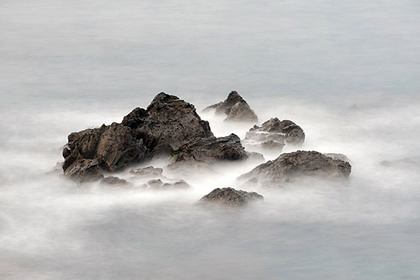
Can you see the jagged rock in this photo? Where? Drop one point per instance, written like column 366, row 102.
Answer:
column 207, row 150
column 274, row 134
column 84, row 170
column 231, row 197
column 158, row 184
column 235, row 108
column 167, row 124
column 112, row 148
column 111, row 180
column 292, row 165
column 338, row 156
column 147, row 171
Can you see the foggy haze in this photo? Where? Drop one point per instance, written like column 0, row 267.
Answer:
column 347, row 72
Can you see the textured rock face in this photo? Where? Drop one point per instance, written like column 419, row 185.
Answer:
column 275, row 134
column 166, row 125
column 110, row 148
column 84, row 170
column 301, row 163
column 207, row 150
column 235, row 108
column 231, row 197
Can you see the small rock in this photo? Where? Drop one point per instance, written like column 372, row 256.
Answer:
column 275, row 134
column 292, row 165
column 147, row 171
column 235, row 108
column 231, row 197
column 158, row 184
column 111, row 180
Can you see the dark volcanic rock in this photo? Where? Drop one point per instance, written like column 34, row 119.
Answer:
column 167, row 124
column 301, row 163
column 231, row 197
column 235, row 108
column 111, row 148
column 111, row 180
column 274, row 134
column 207, row 150
column 84, row 170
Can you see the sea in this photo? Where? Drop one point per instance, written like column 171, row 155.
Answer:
column 347, row 72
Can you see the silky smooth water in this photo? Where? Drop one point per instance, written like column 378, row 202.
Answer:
column 346, row 71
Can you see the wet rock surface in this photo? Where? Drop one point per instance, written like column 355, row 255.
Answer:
column 230, row 197
column 235, row 108
column 292, row 165
column 275, row 134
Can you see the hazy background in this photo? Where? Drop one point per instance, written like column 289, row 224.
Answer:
column 348, row 72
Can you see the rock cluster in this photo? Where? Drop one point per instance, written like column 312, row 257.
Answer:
column 275, row 134
column 165, row 126
column 231, row 197
column 292, row 165
column 235, row 108
column 171, row 127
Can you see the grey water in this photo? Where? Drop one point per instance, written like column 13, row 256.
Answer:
column 348, row 72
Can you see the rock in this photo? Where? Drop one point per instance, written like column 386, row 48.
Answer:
column 147, row 171
column 157, row 184
column 167, row 124
column 111, row 180
column 111, row 148
column 231, row 197
column 338, row 156
column 235, row 108
column 84, row 170
column 292, row 165
column 211, row 149
column 274, row 134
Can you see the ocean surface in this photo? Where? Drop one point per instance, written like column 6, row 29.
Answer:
column 347, row 72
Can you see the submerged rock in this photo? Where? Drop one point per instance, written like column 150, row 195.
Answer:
column 207, row 150
column 147, row 171
column 235, row 108
column 231, row 197
column 158, row 184
column 292, row 165
column 274, row 134
column 111, row 180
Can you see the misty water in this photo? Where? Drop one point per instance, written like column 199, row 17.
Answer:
column 347, row 72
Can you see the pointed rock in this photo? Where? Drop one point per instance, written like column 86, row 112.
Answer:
column 235, row 108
